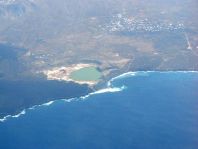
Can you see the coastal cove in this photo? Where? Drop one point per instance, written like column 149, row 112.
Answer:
column 81, row 73
column 98, row 74
column 86, row 74
column 167, row 117
column 87, row 91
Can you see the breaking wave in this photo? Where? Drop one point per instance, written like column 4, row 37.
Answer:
column 105, row 90
column 143, row 73
column 13, row 116
column 23, row 112
column 109, row 89
column 101, row 91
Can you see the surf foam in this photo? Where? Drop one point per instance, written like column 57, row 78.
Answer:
column 13, row 116
column 109, row 89
column 105, row 90
column 142, row 73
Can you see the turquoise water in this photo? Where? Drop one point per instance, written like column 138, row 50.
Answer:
column 86, row 74
column 143, row 110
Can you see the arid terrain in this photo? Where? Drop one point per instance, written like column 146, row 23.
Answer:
column 47, row 39
column 117, row 36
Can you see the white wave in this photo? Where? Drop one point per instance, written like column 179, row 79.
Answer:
column 125, row 75
column 109, row 89
column 142, row 73
column 48, row 103
column 13, row 116
column 21, row 113
column 68, row 100
column 5, row 118
column 33, row 108
column 105, row 90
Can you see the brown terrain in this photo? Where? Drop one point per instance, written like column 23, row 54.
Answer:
column 116, row 36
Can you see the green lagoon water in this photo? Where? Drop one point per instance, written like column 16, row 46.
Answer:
column 86, row 74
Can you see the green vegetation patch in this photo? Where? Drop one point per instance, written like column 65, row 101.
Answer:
column 86, row 74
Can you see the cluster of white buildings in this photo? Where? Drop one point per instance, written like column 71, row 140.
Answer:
column 124, row 23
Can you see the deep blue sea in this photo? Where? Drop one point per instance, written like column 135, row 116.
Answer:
column 141, row 110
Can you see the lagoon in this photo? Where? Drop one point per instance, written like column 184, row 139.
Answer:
column 86, row 74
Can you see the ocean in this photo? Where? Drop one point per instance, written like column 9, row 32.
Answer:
column 137, row 110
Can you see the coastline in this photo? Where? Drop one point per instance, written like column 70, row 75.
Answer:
column 23, row 94
column 64, row 73
column 108, row 89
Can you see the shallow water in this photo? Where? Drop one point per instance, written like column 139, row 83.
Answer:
column 86, row 74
